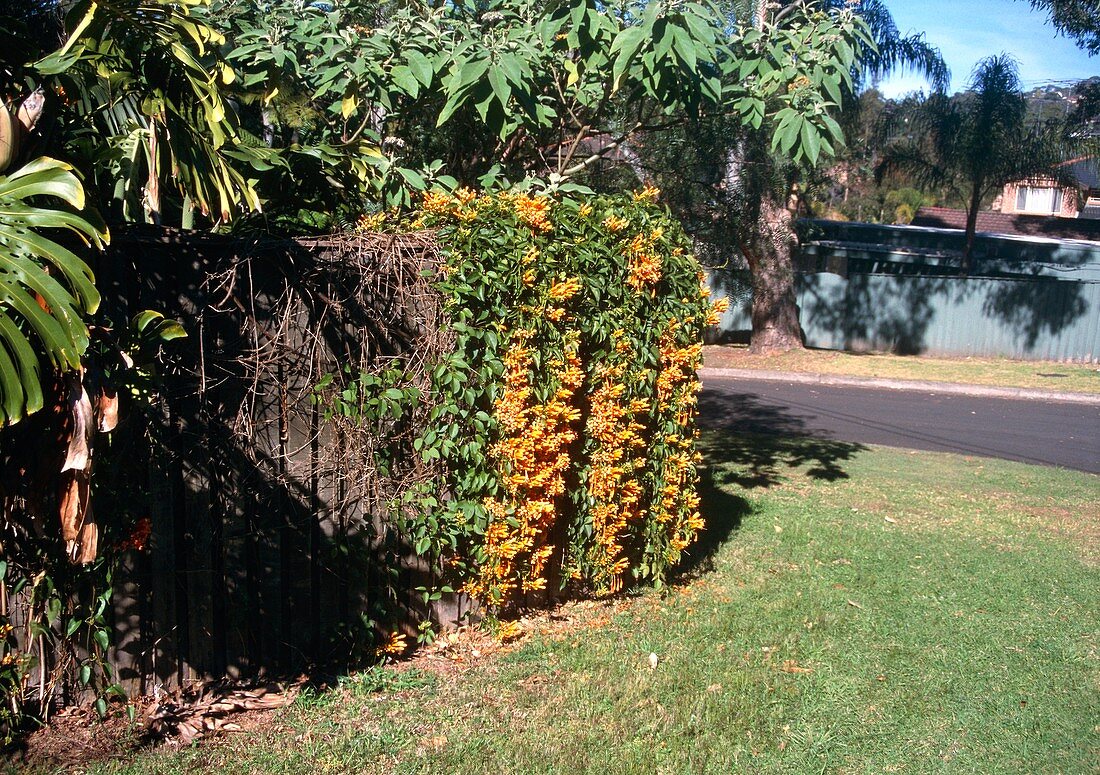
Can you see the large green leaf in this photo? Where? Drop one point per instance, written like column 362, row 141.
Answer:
column 157, row 60
column 45, row 288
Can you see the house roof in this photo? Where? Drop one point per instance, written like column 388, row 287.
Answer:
column 1009, row 223
column 1086, row 171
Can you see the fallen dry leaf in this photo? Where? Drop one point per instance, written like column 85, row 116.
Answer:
column 107, row 410
column 791, row 666
column 186, row 715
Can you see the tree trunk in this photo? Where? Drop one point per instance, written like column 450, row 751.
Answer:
column 971, row 228
column 775, row 325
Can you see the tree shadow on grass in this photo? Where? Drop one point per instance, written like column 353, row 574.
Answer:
column 722, row 513
column 749, row 444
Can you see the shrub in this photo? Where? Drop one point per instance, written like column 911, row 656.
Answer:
column 565, row 415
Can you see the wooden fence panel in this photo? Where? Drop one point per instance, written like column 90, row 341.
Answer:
column 262, row 559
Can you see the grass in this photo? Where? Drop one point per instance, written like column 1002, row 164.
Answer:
column 912, row 612
column 992, row 372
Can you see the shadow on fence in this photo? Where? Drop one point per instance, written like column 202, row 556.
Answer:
column 268, row 553
column 1036, row 317
column 864, row 287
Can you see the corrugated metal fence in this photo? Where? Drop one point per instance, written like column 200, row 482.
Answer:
column 1027, row 299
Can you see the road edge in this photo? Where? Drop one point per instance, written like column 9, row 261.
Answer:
column 913, row 386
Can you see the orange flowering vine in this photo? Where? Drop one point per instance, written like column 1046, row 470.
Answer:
column 588, row 459
column 532, row 458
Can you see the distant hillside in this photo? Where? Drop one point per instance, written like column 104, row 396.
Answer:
column 1057, row 100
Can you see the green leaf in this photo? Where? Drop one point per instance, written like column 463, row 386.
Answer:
column 501, row 90
column 403, row 78
column 420, row 66
column 413, row 178
column 811, row 141
column 468, row 74
column 624, row 48
column 348, row 105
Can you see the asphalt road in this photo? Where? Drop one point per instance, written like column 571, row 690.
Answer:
column 1042, row 432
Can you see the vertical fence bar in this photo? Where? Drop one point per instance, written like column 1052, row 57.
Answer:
column 254, row 639
column 314, row 534
column 180, row 551
column 286, row 533
column 218, row 591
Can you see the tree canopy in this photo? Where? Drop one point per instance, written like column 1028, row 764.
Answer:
column 976, row 142
column 1077, row 19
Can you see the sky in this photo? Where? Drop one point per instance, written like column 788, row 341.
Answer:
column 966, row 31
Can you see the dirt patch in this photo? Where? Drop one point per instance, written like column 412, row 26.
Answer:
column 733, row 357
column 75, row 737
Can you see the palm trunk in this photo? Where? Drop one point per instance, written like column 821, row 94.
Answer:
column 971, row 228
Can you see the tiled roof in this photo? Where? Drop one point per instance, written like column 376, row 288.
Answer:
column 1086, row 171
column 1008, row 223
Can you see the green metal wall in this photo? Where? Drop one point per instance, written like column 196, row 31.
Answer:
column 1031, row 299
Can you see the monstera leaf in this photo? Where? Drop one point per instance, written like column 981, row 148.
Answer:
column 45, row 288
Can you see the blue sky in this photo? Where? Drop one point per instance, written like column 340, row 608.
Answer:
column 965, row 31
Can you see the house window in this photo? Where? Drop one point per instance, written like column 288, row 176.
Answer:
column 1039, row 199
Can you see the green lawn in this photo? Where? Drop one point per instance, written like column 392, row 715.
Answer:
column 888, row 612
column 989, row 372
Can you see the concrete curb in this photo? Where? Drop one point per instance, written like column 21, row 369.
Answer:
column 913, row 386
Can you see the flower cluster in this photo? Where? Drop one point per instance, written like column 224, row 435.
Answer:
column 534, row 211
column 719, row 308
column 616, row 460
column 614, row 223
column 643, row 261
column 564, row 290
column 369, row 222
column 532, row 458
column 437, row 203
column 676, row 501
column 677, row 383
column 394, row 645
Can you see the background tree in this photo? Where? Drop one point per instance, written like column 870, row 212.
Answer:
column 1077, row 19
column 738, row 189
column 976, row 142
